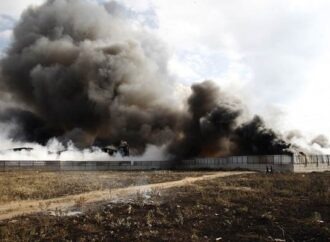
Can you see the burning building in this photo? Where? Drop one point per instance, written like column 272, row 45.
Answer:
column 75, row 66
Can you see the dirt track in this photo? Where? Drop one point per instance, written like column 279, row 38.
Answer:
column 14, row 209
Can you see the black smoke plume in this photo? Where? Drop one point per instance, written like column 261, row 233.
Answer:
column 209, row 124
column 85, row 72
column 29, row 127
column 254, row 137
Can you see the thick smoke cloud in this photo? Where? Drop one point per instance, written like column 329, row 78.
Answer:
column 88, row 76
column 212, row 128
column 77, row 67
column 29, row 127
column 209, row 123
column 254, row 137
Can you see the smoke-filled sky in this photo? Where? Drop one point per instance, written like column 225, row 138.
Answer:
column 95, row 72
column 275, row 52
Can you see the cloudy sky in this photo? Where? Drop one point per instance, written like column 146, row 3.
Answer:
column 273, row 54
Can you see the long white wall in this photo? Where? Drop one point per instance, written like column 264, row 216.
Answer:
column 278, row 163
column 311, row 163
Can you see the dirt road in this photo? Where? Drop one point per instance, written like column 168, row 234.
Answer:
column 14, row 209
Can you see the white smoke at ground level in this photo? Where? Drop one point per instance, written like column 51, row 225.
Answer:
column 55, row 150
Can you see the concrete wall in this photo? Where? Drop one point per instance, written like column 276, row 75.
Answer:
column 279, row 163
column 311, row 163
column 115, row 165
column 85, row 165
column 30, row 165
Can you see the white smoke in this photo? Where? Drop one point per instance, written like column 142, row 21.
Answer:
column 308, row 145
column 55, row 150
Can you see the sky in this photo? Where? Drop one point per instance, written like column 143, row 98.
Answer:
column 272, row 54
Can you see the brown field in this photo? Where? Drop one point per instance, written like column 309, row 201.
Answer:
column 27, row 185
column 241, row 207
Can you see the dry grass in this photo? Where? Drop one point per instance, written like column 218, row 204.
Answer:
column 16, row 186
column 278, row 207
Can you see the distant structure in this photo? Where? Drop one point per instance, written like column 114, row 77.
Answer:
column 275, row 163
column 21, row 149
column 123, row 149
column 110, row 149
